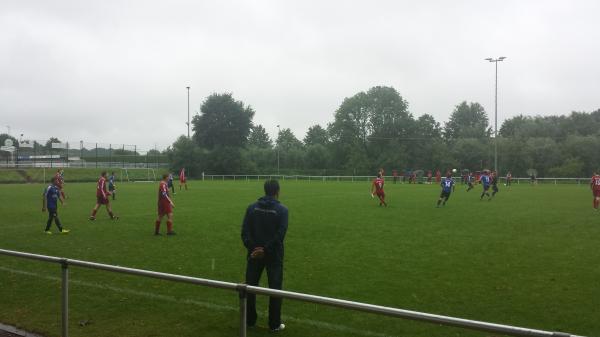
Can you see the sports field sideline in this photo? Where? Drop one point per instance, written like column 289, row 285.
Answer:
column 528, row 258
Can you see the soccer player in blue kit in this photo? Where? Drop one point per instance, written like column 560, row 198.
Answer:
column 470, row 181
column 52, row 196
column 485, row 182
column 112, row 188
column 447, row 187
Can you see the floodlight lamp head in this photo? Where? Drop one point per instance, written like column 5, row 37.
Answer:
column 501, row 58
column 489, row 59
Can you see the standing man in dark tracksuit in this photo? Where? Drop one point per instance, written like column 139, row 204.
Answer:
column 263, row 232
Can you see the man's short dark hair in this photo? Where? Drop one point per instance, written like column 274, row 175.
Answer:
column 271, row 187
column 103, row 173
column 165, row 176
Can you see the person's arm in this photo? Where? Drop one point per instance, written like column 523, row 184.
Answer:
column 281, row 231
column 44, row 201
column 106, row 191
column 372, row 188
column 247, row 238
column 170, row 201
column 165, row 193
column 103, row 187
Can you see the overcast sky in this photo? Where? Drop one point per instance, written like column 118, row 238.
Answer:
column 117, row 71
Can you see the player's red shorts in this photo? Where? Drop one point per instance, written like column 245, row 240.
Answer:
column 380, row 194
column 164, row 208
column 101, row 200
column 596, row 193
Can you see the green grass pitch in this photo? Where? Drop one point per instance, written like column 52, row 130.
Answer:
column 528, row 258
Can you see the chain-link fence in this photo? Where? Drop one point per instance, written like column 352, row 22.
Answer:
column 52, row 153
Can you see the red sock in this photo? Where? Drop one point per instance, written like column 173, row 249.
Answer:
column 169, row 226
column 157, row 226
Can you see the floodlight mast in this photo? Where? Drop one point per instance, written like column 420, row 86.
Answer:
column 278, row 134
column 495, row 61
column 188, row 120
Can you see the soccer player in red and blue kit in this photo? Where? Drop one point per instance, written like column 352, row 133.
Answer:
column 102, row 194
column 595, row 186
column 182, row 179
column 165, row 207
column 59, row 181
column 377, row 188
column 447, row 187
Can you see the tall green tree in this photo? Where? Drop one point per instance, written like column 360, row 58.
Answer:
column 388, row 115
column 426, row 148
column 472, row 154
column 316, row 135
column 222, row 122
column 544, row 154
column 185, row 153
column 259, row 137
column 290, row 150
column 375, row 120
column 468, row 120
column 287, row 140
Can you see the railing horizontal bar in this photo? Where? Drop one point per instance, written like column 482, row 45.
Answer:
column 31, row 256
column 361, row 177
column 408, row 314
column 376, row 309
column 124, row 270
column 154, row 274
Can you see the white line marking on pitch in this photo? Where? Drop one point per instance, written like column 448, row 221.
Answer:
column 203, row 304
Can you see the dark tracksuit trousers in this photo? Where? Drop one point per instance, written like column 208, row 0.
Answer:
column 53, row 215
column 254, row 269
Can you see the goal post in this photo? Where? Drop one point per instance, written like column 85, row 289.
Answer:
column 138, row 175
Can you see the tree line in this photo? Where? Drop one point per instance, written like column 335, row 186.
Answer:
column 375, row 129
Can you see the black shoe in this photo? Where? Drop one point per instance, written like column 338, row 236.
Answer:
column 171, row 233
column 157, row 233
column 116, row 217
column 92, row 218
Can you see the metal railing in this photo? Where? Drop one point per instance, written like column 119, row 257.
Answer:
column 399, row 179
column 243, row 290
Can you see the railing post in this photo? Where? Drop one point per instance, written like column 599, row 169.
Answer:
column 65, row 297
column 241, row 288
